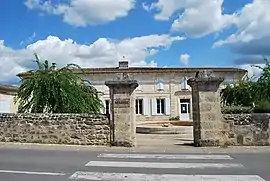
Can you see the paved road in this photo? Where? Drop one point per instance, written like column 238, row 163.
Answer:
column 67, row 165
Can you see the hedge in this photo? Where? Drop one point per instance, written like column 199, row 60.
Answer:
column 262, row 107
column 236, row 110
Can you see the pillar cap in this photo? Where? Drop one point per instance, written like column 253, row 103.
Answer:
column 206, row 79
column 205, row 76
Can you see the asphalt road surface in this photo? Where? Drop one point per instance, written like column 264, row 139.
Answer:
column 67, row 165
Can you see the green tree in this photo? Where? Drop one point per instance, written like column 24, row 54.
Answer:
column 240, row 93
column 56, row 90
column 245, row 93
column 263, row 83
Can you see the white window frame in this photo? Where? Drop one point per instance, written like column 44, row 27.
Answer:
column 160, row 106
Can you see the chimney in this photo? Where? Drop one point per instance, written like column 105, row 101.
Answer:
column 123, row 63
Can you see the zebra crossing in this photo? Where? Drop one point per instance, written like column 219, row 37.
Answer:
column 159, row 167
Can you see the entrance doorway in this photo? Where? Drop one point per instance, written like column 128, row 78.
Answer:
column 184, row 109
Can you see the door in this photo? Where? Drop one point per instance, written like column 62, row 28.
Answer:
column 184, row 109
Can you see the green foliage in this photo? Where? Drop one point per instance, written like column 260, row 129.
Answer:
column 239, row 94
column 56, row 90
column 262, row 107
column 176, row 118
column 249, row 93
column 263, row 83
column 236, row 110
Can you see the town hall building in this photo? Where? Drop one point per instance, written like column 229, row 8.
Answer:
column 162, row 94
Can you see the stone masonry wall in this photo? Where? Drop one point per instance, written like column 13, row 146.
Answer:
column 247, row 129
column 74, row 129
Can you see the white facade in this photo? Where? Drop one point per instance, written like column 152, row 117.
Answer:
column 161, row 95
column 7, row 104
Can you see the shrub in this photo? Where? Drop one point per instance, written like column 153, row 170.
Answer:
column 236, row 110
column 174, row 118
column 262, row 107
column 240, row 93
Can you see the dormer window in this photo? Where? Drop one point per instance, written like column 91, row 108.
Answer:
column 184, row 85
column 160, row 85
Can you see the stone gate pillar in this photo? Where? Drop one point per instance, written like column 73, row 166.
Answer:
column 207, row 116
column 123, row 112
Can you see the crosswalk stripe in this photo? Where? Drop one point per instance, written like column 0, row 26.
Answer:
column 161, row 165
column 164, row 156
column 154, row 177
column 31, row 173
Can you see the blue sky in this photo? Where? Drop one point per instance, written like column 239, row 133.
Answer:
column 96, row 33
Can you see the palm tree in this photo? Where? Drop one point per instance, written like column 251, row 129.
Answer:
column 52, row 90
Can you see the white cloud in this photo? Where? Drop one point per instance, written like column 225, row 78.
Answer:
column 196, row 18
column 253, row 71
column 184, row 58
column 251, row 40
column 196, row 21
column 11, row 61
column 102, row 53
column 165, row 8
column 153, row 51
column 146, row 7
column 84, row 12
column 252, row 22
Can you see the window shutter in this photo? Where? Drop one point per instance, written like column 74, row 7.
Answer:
column 168, row 106
column 154, row 107
column 146, row 106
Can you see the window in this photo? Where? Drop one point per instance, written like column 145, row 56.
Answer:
column 160, row 106
column 139, row 106
column 107, row 107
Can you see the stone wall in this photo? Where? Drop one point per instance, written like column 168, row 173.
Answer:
column 247, row 129
column 74, row 129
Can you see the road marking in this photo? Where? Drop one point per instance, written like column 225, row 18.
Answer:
column 161, row 165
column 164, row 156
column 31, row 173
column 161, row 177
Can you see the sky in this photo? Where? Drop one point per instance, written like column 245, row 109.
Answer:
column 154, row 33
